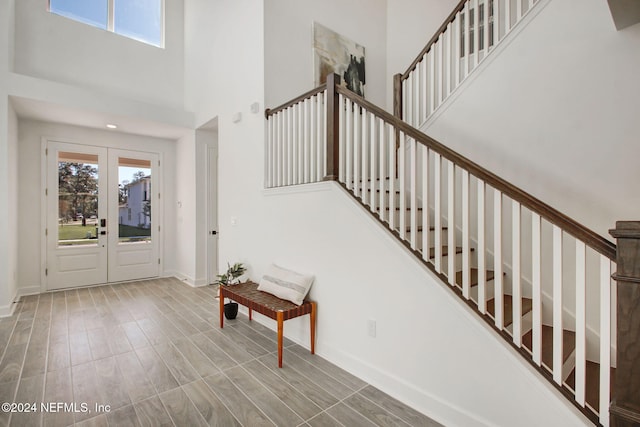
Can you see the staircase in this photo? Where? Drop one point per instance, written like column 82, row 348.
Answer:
column 542, row 280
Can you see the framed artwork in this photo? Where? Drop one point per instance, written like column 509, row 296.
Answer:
column 333, row 53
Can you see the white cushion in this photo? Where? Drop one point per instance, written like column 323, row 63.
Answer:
column 285, row 284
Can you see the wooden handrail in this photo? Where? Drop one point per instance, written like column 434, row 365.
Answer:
column 271, row 111
column 435, row 37
column 577, row 230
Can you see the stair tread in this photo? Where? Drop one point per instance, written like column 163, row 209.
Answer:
column 568, row 344
column 420, row 229
column 527, row 306
column 408, row 208
column 489, row 275
column 386, row 191
column 445, row 251
column 592, row 383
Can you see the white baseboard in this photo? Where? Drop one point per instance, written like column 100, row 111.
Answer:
column 28, row 290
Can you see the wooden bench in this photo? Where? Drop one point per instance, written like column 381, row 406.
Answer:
column 280, row 310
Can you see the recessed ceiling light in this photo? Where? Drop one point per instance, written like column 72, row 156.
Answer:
column 112, row 126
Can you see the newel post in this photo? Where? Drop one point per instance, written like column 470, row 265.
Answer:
column 625, row 401
column 397, row 96
column 333, row 128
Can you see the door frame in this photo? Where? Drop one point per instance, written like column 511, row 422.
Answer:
column 44, row 141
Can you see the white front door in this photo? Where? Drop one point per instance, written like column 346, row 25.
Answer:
column 133, row 240
column 100, row 208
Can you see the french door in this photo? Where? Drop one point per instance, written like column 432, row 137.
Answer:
column 102, row 215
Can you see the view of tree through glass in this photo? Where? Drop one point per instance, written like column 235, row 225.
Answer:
column 77, row 199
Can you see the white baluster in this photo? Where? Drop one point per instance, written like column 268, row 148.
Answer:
column 410, row 98
column 425, row 202
column 415, row 87
column 392, row 177
column 467, row 36
column 485, row 45
column 402, row 172
column 536, row 330
column 557, row 305
column 313, row 137
column 457, row 52
column 357, row 130
column 322, row 152
column 507, row 16
column 497, row 259
column 413, row 192
column 301, row 143
column 451, row 222
column 373, row 152
column 423, row 91
column 466, row 248
column 267, row 152
column 515, row 274
column 581, row 322
column 605, row 339
column 405, row 101
column 383, row 141
column 366, row 184
column 294, row 144
column 496, row 22
column 287, row 162
column 482, row 266
column 518, row 10
column 307, row 139
column 432, row 80
column 342, row 114
column 476, row 35
column 349, row 145
column 446, row 64
column 438, row 46
column 279, row 151
column 437, row 207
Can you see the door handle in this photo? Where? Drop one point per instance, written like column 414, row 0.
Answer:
column 103, row 222
column 103, row 233
column 214, row 232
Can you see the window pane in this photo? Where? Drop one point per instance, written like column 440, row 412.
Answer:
column 139, row 19
column 77, row 199
column 134, row 211
column 92, row 12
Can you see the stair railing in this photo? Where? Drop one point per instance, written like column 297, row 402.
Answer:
column 468, row 35
column 539, row 277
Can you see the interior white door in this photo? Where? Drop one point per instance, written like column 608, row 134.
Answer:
column 103, row 215
column 76, row 203
column 134, row 216
column 212, row 213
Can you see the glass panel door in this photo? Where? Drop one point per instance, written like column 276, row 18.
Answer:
column 76, row 247
column 133, row 250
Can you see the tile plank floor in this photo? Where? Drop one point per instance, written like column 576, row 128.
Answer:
column 153, row 351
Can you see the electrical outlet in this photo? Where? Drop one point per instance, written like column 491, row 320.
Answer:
column 371, row 328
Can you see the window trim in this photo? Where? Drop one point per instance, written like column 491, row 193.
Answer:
column 111, row 22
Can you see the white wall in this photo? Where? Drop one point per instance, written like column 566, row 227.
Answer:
column 410, row 25
column 223, row 57
column 56, row 48
column 7, row 171
column 556, row 113
column 30, row 184
column 288, row 33
column 185, row 202
column 12, row 173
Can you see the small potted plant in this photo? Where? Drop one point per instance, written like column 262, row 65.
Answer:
column 231, row 277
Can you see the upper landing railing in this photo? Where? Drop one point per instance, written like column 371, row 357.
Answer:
column 468, row 35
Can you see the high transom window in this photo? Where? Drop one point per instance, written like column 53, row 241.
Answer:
column 142, row 20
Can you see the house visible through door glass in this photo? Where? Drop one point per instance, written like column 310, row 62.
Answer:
column 134, row 200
